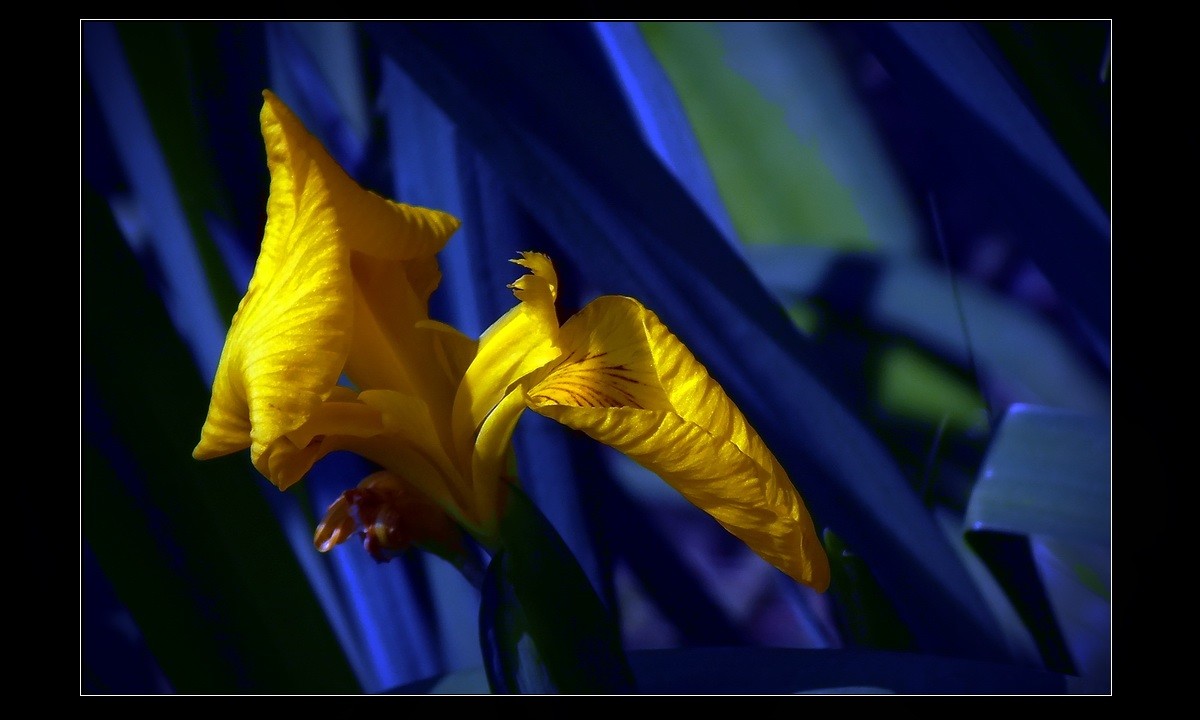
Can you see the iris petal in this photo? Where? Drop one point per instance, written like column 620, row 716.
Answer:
column 389, row 350
column 491, row 454
column 455, row 351
column 606, row 360
column 290, row 335
column 629, row 383
column 342, row 285
column 412, row 433
column 367, row 222
column 296, row 325
column 522, row 340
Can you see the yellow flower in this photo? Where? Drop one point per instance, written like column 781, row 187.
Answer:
column 342, row 288
column 620, row 376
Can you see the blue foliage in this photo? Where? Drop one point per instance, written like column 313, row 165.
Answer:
column 569, row 138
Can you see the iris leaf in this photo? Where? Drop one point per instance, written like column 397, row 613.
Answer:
column 206, row 575
column 866, row 618
column 1047, row 472
column 783, row 671
column 793, row 149
column 667, row 127
column 156, row 224
column 914, row 298
column 1010, row 560
column 999, row 148
column 780, row 670
column 313, row 70
column 655, row 560
column 165, row 60
column 1054, row 61
column 529, row 644
column 539, row 102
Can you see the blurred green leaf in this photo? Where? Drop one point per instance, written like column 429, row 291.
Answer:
column 913, row 385
column 795, row 151
column 543, row 628
column 915, row 299
column 654, row 99
column 192, row 549
column 775, row 184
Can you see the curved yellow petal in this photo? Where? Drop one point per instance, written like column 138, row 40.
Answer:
column 339, row 418
column 387, row 348
column 454, row 350
column 626, row 381
column 329, row 428
column 412, row 449
column 391, row 429
column 296, row 325
column 491, row 456
column 538, row 289
column 291, row 333
column 371, row 224
column 522, row 340
column 606, row 360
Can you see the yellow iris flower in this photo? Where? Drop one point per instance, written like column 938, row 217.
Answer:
column 341, row 290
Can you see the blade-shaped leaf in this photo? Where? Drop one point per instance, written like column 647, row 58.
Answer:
column 167, row 62
column 1078, row 584
column 530, row 645
column 785, row 671
column 661, row 117
column 114, row 656
column 866, row 617
column 302, row 57
column 1065, row 68
column 793, row 149
column 993, row 141
column 916, row 299
column 160, row 226
column 1047, row 472
column 539, row 102
column 656, row 563
column 1010, row 560
column 191, row 549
